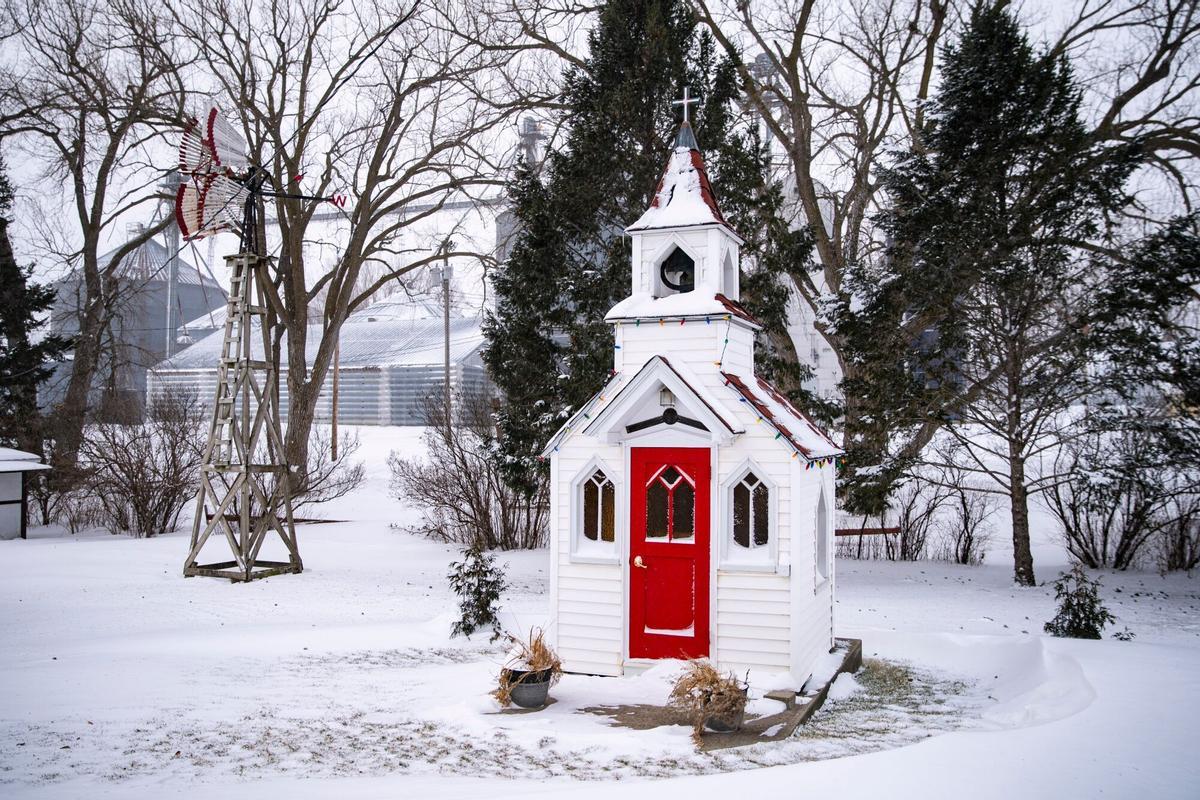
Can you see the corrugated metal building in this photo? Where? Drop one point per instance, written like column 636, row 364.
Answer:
column 389, row 364
column 138, row 329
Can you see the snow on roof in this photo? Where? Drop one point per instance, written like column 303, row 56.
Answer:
column 791, row 423
column 207, row 321
column 684, row 195
column 397, row 308
column 365, row 342
column 703, row 301
column 8, row 454
column 22, row 466
column 148, row 263
column 19, row 461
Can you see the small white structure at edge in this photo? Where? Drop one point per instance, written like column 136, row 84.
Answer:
column 14, row 466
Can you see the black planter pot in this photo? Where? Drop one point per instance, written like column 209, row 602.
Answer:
column 727, row 723
column 529, row 689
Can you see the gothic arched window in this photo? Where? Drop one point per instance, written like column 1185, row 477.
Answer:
column 751, row 533
column 599, row 508
column 751, row 517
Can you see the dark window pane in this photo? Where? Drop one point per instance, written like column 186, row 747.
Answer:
column 670, row 475
column 750, row 479
column 599, row 477
column 684, row 520
column 608, row 501
column 591, row 500
column 741, row 515
column 761, row 518
column 656, row 511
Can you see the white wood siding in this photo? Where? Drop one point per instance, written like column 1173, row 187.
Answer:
column 587, row 600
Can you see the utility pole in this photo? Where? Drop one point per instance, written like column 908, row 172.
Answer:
column 444, row 274
column 171, row 234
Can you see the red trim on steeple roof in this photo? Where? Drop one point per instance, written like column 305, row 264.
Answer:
column 706, row 190
column 737, row 309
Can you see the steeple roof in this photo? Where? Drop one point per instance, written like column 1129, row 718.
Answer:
column 684, row 196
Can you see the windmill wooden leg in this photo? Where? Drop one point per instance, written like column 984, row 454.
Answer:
column 244, row 442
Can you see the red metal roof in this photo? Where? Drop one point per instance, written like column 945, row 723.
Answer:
column 737, row 309
column 764, row 411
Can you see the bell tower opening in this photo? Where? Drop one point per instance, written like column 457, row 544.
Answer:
column 729, row 278
column 678, row 272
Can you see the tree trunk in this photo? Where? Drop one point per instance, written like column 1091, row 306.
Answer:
column 302, row 411
column 1019, row 503
column 71, row 413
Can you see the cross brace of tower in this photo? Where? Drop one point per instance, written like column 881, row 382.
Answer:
column 244, row 478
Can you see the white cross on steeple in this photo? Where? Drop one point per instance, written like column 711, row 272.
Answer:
column 685, row 102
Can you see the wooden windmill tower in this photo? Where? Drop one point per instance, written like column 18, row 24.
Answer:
column 245, row 481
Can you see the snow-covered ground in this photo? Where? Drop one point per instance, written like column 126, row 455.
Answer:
column 122, row 679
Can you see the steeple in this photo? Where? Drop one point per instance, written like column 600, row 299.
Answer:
column 684, row 196
column 686, row 138
column 684, row 252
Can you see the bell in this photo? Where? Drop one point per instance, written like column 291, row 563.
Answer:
column 678, row 271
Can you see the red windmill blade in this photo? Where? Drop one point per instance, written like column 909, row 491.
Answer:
column 209, row 198
column 208, row 205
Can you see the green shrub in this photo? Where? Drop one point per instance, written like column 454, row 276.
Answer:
column 1081, row 614
column 478, row 582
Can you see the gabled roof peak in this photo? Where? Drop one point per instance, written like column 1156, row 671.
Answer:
column 684, row 196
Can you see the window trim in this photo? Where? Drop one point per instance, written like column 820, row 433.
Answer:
column 822, row 576
column 753, row 559
column 583, row 550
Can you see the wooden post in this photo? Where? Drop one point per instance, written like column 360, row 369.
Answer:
column 24, row 502
column 446, row 329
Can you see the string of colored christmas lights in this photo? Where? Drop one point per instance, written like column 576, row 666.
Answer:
column 823, row 461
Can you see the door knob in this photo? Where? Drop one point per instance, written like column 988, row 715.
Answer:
column 637, row 562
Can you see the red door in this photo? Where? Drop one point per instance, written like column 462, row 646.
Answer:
column 668, row 552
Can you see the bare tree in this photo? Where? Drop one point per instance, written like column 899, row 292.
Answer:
column 841, row 87
column 1179, row 539
column 462, row 490
column 141, row 475
column 383, row 101
column 1119, row 493
column 86, row 96
column 1037, row 372
column 965, row 528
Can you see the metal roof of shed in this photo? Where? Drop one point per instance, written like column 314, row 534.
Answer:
column 365, row 342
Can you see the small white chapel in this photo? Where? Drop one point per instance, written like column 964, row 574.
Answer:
column 692, row 504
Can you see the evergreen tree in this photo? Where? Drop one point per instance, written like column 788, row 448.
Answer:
column 989, row 219
column 24, row 363
column 549, row 348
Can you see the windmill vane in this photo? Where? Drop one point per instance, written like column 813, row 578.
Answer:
column 218, row 180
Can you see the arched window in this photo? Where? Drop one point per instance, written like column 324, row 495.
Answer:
column 822, row 535
column 599, row 508
column 729, row 278
column 750, row 540
column 671, row 506
column 751, row 517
